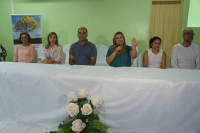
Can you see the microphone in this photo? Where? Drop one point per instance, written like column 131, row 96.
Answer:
column 119, row 44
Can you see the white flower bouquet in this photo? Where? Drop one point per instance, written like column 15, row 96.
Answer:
column 82, row 114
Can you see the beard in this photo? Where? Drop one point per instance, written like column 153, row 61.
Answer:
column 189, row 39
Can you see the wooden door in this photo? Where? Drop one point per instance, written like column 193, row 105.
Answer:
column 166, row 22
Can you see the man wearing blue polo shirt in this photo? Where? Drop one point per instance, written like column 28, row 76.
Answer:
column 82, row 52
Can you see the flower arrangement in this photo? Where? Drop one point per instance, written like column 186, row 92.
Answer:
column 82, row 114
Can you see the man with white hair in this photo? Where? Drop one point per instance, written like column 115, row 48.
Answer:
column 186, row 55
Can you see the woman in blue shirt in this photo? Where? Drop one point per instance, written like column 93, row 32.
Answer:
column 119, row 54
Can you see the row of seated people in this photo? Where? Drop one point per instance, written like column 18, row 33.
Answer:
column 185, row 55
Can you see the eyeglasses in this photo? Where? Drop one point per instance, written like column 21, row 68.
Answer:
column 189, row 34
column 24, row 37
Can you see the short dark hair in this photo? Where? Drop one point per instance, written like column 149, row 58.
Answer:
column 29, row 37
column 83, row 28
column 152, row 40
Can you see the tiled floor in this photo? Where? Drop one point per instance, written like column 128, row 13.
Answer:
column 4, row 129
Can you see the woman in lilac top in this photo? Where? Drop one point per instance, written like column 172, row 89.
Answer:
column 25, row 52
column 52, row 52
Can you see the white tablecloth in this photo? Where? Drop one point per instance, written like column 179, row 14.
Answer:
column 135, row 100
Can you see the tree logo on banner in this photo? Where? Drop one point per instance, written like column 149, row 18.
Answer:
column 26, row 24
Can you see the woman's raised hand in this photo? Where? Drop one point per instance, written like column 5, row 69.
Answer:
column 134, row 43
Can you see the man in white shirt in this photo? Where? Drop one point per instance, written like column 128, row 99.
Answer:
column 186, row 55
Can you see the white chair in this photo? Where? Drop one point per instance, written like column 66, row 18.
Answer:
column 140, row 60
column 170, row 66
column 101, row 55
column 36, row 56
column 66, row 52
column 134, row 61
column 63, row 58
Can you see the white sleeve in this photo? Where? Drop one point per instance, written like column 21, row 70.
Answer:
column 198, row 59
column 44, row 56
column 60, row 54
column 174, row 58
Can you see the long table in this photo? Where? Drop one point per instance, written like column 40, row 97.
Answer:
column 135, row 100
